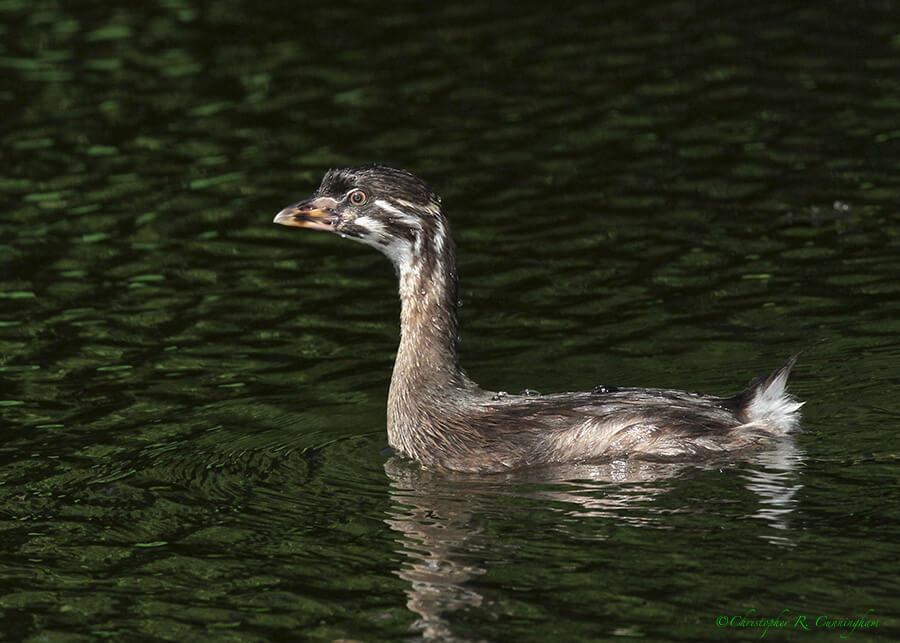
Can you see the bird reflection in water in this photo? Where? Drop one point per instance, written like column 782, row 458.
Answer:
column 439, row 516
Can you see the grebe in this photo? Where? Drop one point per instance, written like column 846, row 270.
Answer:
column 441, row 418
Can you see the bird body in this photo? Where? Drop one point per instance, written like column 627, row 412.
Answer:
column 441, row 418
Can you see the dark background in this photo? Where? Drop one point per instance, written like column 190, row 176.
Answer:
column 659, row 194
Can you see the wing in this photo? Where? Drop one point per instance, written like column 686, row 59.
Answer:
column 626, row 422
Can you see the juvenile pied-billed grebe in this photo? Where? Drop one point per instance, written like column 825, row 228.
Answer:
column 441, row 418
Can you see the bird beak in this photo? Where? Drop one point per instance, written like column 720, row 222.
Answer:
column 318, row 214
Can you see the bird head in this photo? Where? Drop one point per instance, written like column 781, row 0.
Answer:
column 384, row 207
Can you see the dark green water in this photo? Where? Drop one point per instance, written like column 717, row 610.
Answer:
column 670, row 194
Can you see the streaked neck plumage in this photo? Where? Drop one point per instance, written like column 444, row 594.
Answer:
column 427, row 376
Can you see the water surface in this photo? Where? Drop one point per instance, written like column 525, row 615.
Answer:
column 669, row 194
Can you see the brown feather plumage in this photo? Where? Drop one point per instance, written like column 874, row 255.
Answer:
column 441, row 418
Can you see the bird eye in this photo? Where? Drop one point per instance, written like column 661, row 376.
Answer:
column 358, row 197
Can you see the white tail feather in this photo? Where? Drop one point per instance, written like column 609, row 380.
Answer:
column 771, row 404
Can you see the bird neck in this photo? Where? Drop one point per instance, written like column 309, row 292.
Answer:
column 427, row 354
column 428, row 383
